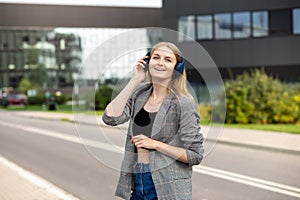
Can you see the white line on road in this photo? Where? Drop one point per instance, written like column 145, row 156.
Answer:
column 247, row 180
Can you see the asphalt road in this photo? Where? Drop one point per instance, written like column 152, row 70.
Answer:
column 84, row 160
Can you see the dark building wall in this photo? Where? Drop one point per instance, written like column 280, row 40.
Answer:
column 183, row 7
column 78, row 16
column 278, row 52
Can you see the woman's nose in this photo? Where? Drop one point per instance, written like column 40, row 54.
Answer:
column 161, row 61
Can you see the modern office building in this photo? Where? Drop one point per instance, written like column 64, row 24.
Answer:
column 241, row 35
column 62, row 38
column 23, row 50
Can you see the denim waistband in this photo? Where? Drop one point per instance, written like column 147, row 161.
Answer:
column 142, row 168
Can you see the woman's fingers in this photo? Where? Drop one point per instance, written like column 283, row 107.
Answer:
column 141, row 62
column 137, row 138
column 143, row 141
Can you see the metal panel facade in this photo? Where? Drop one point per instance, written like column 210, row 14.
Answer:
column 275, row 50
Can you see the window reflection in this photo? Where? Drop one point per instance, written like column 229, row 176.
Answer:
column 241, row 25
column 204, row 27
column 296, row 21
column 260, row 23
column 187, row 27
column 222, row 26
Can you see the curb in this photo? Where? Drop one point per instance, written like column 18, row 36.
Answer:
column 256, row 146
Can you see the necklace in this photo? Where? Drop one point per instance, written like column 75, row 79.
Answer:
column 155, row 103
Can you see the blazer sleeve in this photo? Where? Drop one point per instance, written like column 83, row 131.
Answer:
column 190, row 132
column 124, row 117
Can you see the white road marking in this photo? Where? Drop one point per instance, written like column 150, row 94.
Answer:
column 247, row 180
column 36, row 180
column 226, row 175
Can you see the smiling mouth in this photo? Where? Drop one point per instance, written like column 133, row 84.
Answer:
column 159, row 69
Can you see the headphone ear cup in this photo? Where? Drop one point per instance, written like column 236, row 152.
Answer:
column 179, row 67
column 147, row 59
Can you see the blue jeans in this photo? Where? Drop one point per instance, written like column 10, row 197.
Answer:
column 143, row 184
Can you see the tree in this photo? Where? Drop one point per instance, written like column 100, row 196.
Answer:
column 25, row 85
column 103, row 97
column 38, row 76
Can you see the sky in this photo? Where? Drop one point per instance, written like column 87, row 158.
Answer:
column 119, row 3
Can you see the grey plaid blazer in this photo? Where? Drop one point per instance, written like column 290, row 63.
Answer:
column 177, row 124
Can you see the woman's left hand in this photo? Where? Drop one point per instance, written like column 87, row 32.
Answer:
column 142, row 141
column 178, row 153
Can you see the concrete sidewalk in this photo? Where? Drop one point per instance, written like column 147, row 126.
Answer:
column 285, row 142
column 17, row 183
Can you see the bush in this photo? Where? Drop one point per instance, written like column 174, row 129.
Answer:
column 36, row 100
column 257, row 98
column 103, row 97
column 62, row 99
column 41, row 99
column 205, row 112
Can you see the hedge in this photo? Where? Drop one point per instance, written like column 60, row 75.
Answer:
column 258, row 98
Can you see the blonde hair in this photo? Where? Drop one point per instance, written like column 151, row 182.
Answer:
column 178, row 82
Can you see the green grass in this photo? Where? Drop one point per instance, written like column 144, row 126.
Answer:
column 287, row 128
column 60, row 109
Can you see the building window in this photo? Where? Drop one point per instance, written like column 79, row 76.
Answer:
column 260, row 27
column 241, row 25
column 186, row 26
column 11, row 40
column 223, row 26
column 280, row 22
column 204, row 27
column 296, row 21
column 4, row 59
column 3, row 39
column 62, row 44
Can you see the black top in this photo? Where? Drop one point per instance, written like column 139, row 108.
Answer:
column 143, row 123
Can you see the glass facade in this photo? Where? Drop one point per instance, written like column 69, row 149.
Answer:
column 296, row 21
column 260, row 24
column 63, row 51
column 24, row 50
column 241, row 25
column 186, row 25
column 223, row 26
column 204, row 27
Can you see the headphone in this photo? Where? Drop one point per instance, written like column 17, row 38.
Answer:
column 179, row 67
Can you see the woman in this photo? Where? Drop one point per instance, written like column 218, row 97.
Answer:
column 164, row 139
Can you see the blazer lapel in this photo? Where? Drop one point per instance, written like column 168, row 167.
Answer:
column 141, row 100
column 160, row 117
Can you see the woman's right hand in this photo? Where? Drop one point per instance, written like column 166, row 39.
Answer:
column 139, row 72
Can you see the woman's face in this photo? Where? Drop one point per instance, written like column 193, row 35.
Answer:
column 162, row 64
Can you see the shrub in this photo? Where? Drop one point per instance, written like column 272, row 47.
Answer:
column 36, row 100
column 41, row 99
column 62, row 99
column 205, row 112
column 257, row 98
column 103, row 97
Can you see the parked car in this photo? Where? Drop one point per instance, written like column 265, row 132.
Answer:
column 16, row 99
